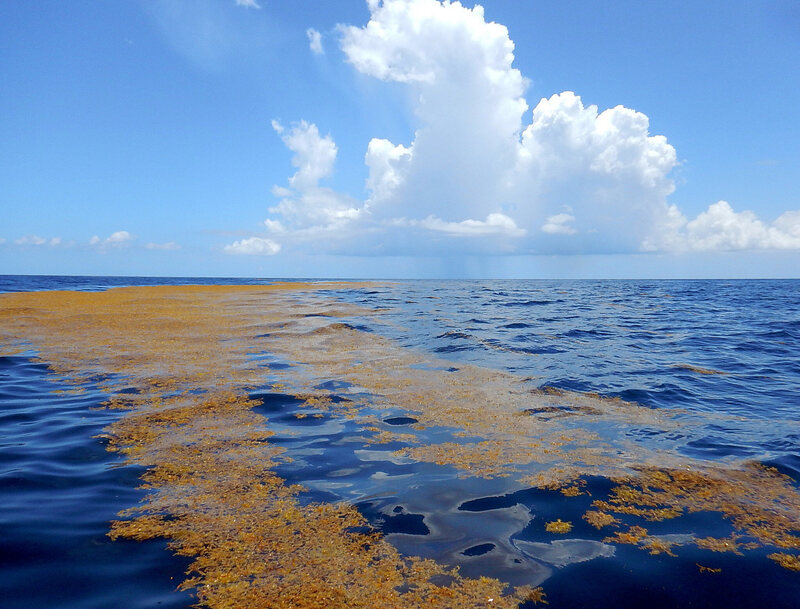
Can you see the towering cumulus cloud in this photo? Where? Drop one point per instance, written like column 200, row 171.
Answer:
column 305, row 206
column 482, row 174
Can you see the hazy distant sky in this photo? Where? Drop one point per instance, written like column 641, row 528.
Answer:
column 404, row 138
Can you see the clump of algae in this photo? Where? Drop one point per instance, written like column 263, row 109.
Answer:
column 599, row 519
column 211, row 488
column 537, row 596
column 787, row 561
column 761, row 503
column 558, row 526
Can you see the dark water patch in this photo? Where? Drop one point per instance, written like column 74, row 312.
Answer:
column 483, row 504
column 388, row 523
column 578, row 333
column 529, row 303
column 455, row 335
column 538, row 350
column 401, row 421
column 334, row 385
column 662, row 395
column 788, row 465
column 638, row 580
column 710, row 447
column 516, row 325
column 59, row 488
column 454, row 348
column 479, row 550
column 274, row 402
column 569, row 384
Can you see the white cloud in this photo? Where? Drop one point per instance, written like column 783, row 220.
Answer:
column 477, row 153
column 387, row 167
column 315, row 41
column 274, row 226
column 495, row 224
column 253, row 245
column 119, row 238
column 168, row 246
column 31, row 240
column 2, row 240
column 248, row 3
column 468, row 102
column 37, row 240
column 314, row 155
column 559, row 225
column 720, row 228
column 306, row 204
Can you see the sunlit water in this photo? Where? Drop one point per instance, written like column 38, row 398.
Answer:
column 644, row 341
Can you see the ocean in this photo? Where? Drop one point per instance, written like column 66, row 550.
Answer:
column 604, row 443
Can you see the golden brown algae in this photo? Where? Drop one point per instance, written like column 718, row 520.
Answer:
column 186, row 351
column 185, row 358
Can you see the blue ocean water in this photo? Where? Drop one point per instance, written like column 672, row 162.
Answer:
column 652, row 342
column 642, row 341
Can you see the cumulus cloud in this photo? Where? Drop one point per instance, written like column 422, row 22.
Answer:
column 720, row 228
column 564, row 177
column 253, row 246
column 168, row 246
column 119, row 238
column 305, row 204
column 315, row 41
column 559, row 224
column 468, row 102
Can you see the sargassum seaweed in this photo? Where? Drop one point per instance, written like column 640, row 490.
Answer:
column 183, row 357
column 180, row 362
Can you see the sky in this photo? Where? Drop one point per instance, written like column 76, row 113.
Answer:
column 400, row 138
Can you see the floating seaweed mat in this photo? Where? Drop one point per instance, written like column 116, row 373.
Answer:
column 188, row 351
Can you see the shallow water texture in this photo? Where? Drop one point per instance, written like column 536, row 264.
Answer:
column 712, row 369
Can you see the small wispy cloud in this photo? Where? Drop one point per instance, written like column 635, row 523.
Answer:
column 169, row 246
column 253, row 246
column 274, row 226
column 315, row 41
column 248, row 4
column 495, row 224
column 559, row 224
column 116, row 239
column 37, row 240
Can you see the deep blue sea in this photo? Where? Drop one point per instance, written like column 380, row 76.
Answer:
column 643, row 341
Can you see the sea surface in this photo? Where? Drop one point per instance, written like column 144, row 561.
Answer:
column 725, row 351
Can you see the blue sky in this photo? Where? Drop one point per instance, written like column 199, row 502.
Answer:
column 405, row 138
